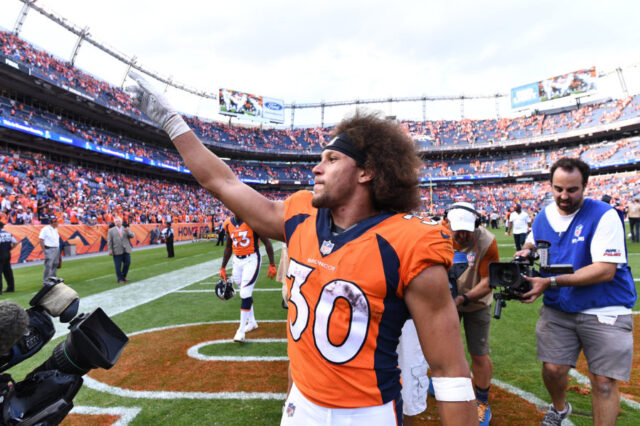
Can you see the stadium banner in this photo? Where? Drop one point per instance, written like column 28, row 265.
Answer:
column 15, row 65
column 524, row 95
column 273, row 110
column 93, row 238
column 560, row 86
column 79, row 143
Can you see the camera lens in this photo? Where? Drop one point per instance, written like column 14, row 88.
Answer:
column 507, row 277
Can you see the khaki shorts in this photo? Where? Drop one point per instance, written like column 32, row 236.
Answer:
column 607, row 347
column 476, row 330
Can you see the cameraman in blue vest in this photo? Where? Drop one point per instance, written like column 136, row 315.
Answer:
column 589, row 309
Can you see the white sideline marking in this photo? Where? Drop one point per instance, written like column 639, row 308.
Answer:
column 126, row 414
column 167, row 327
column 584, row 380
column 126, row 393
column 194, row 352
column 527, row 396
column 129, row 296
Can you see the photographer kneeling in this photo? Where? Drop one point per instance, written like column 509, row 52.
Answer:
column 473, row 298
column 589, row 309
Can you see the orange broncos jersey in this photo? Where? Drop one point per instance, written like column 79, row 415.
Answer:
column 244, row 240
column 346, row 307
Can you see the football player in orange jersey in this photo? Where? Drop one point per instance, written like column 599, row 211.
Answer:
column 243, row 242
column 359, row 266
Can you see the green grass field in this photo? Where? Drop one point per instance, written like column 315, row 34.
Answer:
column 512, row 337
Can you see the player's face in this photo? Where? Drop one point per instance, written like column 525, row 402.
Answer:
column 335, row 178
column 568, row 190
column 462, row 238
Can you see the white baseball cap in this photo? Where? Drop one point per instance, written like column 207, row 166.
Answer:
column 461, row 219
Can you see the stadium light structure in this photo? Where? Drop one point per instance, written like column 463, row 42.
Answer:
column 22, row 16
column 131, row 62
column 424, row 98
column 109, row 50
column 84, row 34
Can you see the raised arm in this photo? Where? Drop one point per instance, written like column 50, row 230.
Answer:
column 264, row 216
column 436, row 319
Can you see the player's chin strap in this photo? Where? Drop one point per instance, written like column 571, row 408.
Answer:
column 453, row 389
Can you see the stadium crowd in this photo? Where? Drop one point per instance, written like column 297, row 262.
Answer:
column 501, row 198
column 602, row 153
column 32, row 187
column 63, row 73
column 427, row 133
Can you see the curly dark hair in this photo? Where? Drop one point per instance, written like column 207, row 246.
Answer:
column 392, row 157
column 569, row 164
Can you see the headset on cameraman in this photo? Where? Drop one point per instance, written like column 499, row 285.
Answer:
column 461, row 205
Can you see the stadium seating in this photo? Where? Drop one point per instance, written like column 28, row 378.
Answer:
column 440, row 133
column 30, row 182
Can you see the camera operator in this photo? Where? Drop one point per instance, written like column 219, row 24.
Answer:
column 474, row 295
column 589, row 309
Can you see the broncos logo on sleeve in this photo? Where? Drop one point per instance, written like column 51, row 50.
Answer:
column 346, row 307
column 244, row 241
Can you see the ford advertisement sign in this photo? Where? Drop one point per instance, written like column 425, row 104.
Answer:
column 273, row 110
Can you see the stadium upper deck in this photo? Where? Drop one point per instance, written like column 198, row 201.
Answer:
column 430, row 135
column 515, row 163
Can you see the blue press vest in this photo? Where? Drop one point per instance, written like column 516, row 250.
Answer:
column 574, row 247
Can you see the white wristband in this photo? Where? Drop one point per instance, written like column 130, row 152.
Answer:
column 175, row 126
column 453, row 389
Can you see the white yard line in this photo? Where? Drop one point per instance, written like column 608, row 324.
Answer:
column 126, row 414
column 527, row 396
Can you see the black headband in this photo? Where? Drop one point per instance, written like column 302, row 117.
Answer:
column 344, row 144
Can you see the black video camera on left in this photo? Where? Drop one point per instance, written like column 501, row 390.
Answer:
column 45, row 396
column 509, row 277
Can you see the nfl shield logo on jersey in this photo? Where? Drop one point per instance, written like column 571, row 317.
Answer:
column 291, row 409
column 578, row 230
column 327, row 247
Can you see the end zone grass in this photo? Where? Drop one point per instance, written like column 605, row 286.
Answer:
column 512, row 342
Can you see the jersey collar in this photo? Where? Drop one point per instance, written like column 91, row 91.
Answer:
column 329, row 243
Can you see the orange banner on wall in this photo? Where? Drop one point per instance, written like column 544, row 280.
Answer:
column 93, row 239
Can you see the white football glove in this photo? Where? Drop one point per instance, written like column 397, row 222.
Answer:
column 156, row 107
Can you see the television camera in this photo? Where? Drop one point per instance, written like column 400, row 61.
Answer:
column 45, row 396
column 509, row 277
